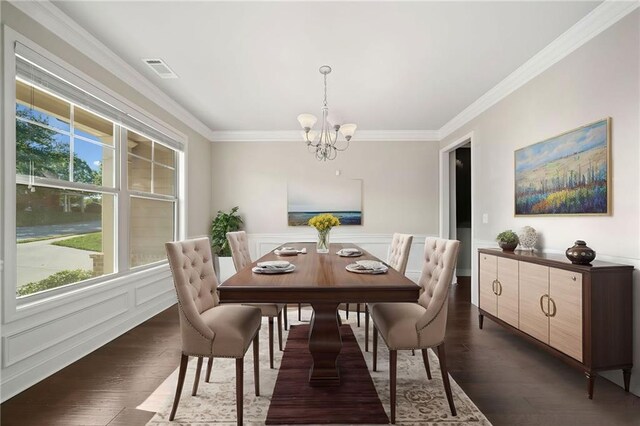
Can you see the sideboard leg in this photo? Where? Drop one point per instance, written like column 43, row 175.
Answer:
column 480, row 320
column 626, row 375
column 591, row 377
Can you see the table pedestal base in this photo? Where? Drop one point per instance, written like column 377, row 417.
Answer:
column 324, row 344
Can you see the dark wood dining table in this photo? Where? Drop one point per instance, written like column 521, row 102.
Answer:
column 322, row 281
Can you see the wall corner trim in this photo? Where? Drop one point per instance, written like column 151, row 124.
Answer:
column 297, row 136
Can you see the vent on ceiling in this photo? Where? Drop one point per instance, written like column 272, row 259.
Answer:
column 160, row 67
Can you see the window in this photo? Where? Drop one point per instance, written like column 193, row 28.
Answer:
column 71, row 185
column 152, row 182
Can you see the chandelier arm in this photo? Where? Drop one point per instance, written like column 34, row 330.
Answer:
column 343, row 149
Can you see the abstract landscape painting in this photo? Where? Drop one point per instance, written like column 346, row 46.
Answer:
column 567, row 174
column 340, row 197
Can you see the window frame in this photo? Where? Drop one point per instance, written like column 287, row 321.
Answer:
column 14, row 308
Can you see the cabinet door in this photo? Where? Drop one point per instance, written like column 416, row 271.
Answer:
column 534, row 284
column 488, row 274
column 507, row 288
column 565, row 322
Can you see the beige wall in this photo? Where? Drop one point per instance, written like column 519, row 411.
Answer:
column 199, row 147
column 400, row 183
column 601, row 79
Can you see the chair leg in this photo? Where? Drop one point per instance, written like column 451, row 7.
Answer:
column 286, row 322
column 239, row 387
column 358, row 313
column 299, row 311
column 184, row 360
column 347, row 314
column 445, row 378
column 425, row 359
column 393, row 363
column 270, row 342
column 366, row 328
column 280, row 331
column 197, row 380
column 256, row 363
column 209, row 366
column 375, row 348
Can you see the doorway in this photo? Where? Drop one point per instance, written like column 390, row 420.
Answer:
column 456, row 202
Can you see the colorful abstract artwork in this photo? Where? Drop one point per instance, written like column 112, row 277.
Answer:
column 340, row 197
column 565, row 175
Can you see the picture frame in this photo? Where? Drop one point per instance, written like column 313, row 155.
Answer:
column 565, row 175
column 340, row 197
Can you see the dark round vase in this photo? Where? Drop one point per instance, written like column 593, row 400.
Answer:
column 507, row 246
column 580, row 254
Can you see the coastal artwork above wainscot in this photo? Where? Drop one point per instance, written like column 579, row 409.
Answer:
column 566, row 175
column 338, row 196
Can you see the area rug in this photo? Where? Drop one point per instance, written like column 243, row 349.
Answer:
column 420, row 401
column 355, row 401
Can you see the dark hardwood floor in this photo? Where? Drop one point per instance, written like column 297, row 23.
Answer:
column 511, row 381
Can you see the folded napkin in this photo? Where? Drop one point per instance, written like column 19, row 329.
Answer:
column 370, row 264
column 274, row 265
column 350, row 250
column 289, row 251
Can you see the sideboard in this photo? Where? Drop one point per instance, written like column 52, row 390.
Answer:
column 582, row 314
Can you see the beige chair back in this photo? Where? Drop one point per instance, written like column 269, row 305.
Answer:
column 196, row 284
column 239, row 245
column 440, row 257
column 399, row 252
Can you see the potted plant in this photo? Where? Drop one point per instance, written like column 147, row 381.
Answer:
column 221, row 224
column 507, row 240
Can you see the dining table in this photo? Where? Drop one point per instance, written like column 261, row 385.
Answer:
column 321, row 280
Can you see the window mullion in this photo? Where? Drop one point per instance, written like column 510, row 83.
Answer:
column 124, row 201
column 71, row 144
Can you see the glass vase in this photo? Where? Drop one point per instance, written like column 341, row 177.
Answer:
column 322, row 246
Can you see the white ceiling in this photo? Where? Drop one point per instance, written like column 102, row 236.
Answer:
column 396, row 66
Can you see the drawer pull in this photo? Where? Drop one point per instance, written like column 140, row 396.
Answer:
column 493, row 287
column 499, row 287
column 555, row 309
column 574, row 278
column 542, row 304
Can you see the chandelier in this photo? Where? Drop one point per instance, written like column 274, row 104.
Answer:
column 325, row 143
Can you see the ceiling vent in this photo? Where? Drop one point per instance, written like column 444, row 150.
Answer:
column 160, row 67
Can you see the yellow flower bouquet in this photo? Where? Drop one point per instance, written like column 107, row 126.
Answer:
column 323, row 224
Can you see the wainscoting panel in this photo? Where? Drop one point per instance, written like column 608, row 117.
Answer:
column 37, row 345
column 154, row 289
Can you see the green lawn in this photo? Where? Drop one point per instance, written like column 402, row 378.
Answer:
column 89, row 242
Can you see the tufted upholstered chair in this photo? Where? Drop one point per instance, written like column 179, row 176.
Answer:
column 209, row 329
column 397, row 258
column 419, row 325
column 239, row 245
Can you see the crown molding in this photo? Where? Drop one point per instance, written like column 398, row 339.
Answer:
column 595, row 22
column 55, row 20
column 297, row 136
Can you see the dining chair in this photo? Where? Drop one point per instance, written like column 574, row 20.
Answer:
column 419, row 325
column 239, row 244
column 397, row 259
column 209, row 329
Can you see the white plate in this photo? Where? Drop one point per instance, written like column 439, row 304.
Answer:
column 270, row 271
column 370, row 264
column 274, row 264
column 358, row 270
